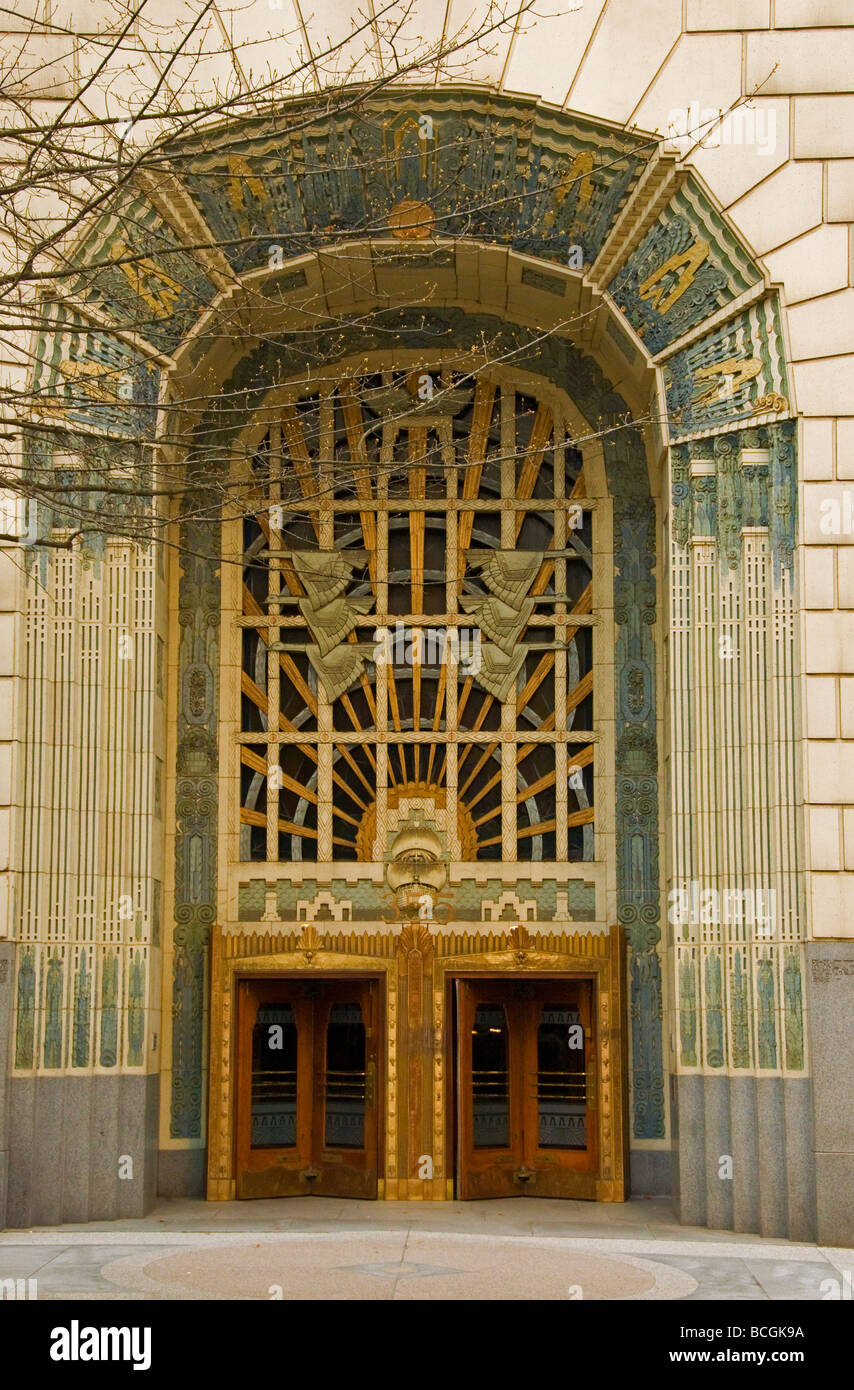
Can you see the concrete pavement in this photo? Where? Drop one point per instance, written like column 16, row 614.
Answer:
column 328, row 1249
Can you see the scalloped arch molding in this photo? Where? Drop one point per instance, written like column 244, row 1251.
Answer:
column 544, row 182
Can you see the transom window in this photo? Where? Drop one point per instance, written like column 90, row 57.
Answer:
column 417, row 625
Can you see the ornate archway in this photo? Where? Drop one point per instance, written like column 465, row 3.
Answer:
column 594, row 262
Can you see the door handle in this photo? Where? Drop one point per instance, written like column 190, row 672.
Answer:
column 370, row 1085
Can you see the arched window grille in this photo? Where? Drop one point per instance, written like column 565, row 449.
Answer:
column 417, row 621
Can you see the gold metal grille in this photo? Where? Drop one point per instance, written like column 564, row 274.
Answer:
column 417, row 622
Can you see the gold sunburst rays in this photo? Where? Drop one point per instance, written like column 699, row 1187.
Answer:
column 418, row 700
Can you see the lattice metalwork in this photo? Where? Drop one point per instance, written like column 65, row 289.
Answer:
column 420, row 628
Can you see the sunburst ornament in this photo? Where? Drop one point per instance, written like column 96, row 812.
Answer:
column 422, row 791
column 411, row 220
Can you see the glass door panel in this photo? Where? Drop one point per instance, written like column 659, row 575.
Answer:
column 344, row 1145
column 490, row 1078
column 345, row 1077
column 274, row 1062
column 489, row 1095
column 526, row 1063
column 275, row 1050
column 306, row 1094
column 561, row 1078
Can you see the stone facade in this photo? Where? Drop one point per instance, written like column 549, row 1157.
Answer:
column 718, row 281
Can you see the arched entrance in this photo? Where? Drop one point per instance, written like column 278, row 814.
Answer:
column 593, row 277
column 413, row 743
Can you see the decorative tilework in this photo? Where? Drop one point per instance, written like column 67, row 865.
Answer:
column 573, row 901
column 196, row 807
column 91, row 374
column 686, row 268
column 524, row 176
column 733, row 497
column 735, row 372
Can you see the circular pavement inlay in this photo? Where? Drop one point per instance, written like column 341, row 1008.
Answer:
column 394, row 1265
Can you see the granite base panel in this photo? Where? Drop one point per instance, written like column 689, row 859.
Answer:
column 650, row 1173
column 69, row 1140
column 744, row 1159
column 181, row 1172
column 830, row 984
column 834, row 1176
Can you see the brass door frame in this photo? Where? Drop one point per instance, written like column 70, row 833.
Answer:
column 229, row 968
column 608, row 976
column 415, row 1068
column 313, row 1147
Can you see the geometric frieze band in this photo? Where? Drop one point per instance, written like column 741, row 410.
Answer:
column 364, row 901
